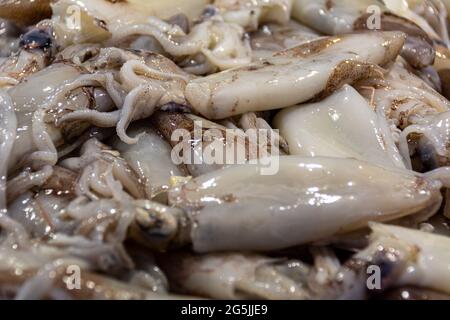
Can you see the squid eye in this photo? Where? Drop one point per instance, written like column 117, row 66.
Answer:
column 36, row 39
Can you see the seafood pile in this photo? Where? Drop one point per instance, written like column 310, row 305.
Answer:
column 351, row 98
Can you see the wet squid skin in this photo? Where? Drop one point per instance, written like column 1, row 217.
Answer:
column 311, row 70
column 343, row 125
column 211, row 44
column 407, row 257
column 202, row 136
column 151, row 159
column 36, row 50
column 25, row 12
column 44, row 271
column 252, row 276
column 32, row 100
column 344, row 16
column 414, row 110
column 253, row 14
column 233, row 218
column 89, row 204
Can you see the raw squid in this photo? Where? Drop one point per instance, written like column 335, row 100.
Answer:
column 339, row 127
column 311, row 70
column 403, row 97
column 272, row 38
column 35, row 52
column 9, row 38
column 41, row 273
column 408, row 257
column 146, row 81
column 211, row 43
column 33, row 99
column 25, row 12
column 344, row 16
column 139, row 144
column 133, row 11
column 429, row 15
column 250, row 276
column 237, row 208
column 8, row 125
column 151, row 160
column 442, row 66
column 251, row 14
column 204, row 146
column 433, row 136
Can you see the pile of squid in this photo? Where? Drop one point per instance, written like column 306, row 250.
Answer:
column 91, row 93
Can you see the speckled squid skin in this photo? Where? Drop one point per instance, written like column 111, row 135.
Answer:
column 296, row 75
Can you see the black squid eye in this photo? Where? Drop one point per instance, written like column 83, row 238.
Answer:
column 36, row 39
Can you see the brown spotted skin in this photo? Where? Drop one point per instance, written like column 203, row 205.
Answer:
column 311, row 48
column 25, row 13
column 348, row 72
column 419, row 50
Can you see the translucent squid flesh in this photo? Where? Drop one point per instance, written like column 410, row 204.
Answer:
column 344, row 16
column 25, row 12
column 237, row 208
column 314, row 69
column 252, row 276
column 251, row 14
column 204, row 146
column 408, row 257
column 339, row 126
column 151, row 160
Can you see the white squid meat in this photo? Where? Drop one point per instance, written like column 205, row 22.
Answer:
column 411, row 257
column 343, row 126
column 307, row 200
column 345, row 16
column 251, row 14
column 293, row 76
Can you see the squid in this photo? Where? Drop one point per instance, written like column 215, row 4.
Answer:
column 102, row 199
column 35, row 52
column 9, row 39
column 410, row 106
column 250, row 216
column 442, row 66
column 25, row 12
column 252, row 276
column 272, row 38
column 204, row 146
column 252, row 14
column 41, row 273
column 403, row 97
column 432, row 136
column 211, row 44
column 151, row 159
column 407, row 257
column 38, row 135
column 344, row 16
column 338, row 126
column 312, row 70
column 429, row 15
column 145, row 82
